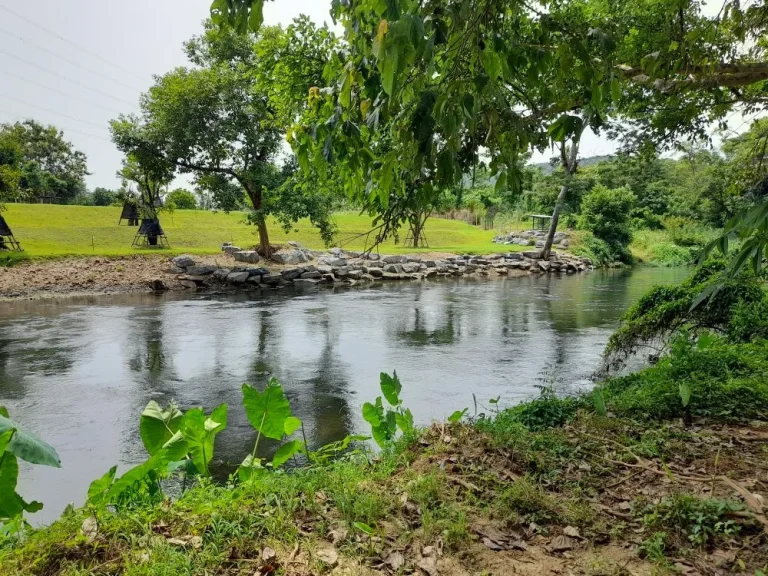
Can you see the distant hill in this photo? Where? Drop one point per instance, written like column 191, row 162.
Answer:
column 547, row 168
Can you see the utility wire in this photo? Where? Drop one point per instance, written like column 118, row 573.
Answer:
column 18, row 117
column 99, row 126
column 67, row 60
column 67, row 41
column 30, row 63
column 67, row 94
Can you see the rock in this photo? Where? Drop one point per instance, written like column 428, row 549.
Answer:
column 514, row 256
column 176, row 270
column 311, row 275
column 373, row 257
column 324, row 269
column 294, row 244
column 367, row 278
column 238, row 277
column 341, row 272
column 249, row 256
column 410, row 267
column 355, row 274
column 430, row 263
column 291, row 257
column 338, row 252
column 189, row 284
column 201, row 270
column 430, row 272
column 183, row 261
column 256, row 271
column 532, row 254
column 329, row 277
column 292, row 273
column 393, row 268
column 254, row 279
column 221, row 273
column 306, row 281
column 198, row 280
column 393, row 259
column 375, row 272
column 271, row 279
column 158, row 285
column 229, row 249
column 544, row 266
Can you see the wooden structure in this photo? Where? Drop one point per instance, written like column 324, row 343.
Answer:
column 150, row 234
column 539, row 221
column 7, row 240
column 130, row 213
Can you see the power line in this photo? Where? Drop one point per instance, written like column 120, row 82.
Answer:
column 67, row 94
column 18, row 117
column 67, row 41
column 50, row 111
column 65, row 59
column 44, row 69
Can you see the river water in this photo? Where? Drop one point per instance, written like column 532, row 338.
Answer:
column 80, row 371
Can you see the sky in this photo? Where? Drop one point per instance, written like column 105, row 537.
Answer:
column 78, row 64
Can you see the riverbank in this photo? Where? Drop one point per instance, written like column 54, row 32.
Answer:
column 590, row 495
column 235, row 269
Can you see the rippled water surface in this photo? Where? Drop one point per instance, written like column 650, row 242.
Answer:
column 79, row 372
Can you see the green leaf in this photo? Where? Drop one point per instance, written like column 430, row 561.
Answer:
column 5, row 438
column 291, row 425
column 615, row 89
column 249, row 468
column 685, row 393
column 285, row 452
column 27, row 445
column 363, row 527
column 391, row 388
column 97, row 491
column 199, row 433
column 501, row 183
column 11, row 504
column 457, row 416
column 491, row 63
column 267, row 411
column 130, row 478
column 404, row 420
column 158, row 425
column 256, row 18
column 372, row 414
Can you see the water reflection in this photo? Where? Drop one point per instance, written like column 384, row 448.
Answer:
column 80, row 372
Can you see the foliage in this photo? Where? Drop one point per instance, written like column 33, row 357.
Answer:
column 664, row 310
column 749, row 321
column 182, row 199
column 38, row 163
column 103, row 197
column 546, row 411
column 386, row 421
column 597, row 250
column 221, row 120
column 18, row 443
column 718, row 380
column 606, row 213
column 690, row 520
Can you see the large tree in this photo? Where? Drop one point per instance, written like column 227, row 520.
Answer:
column 225, row 119
column 50, row 167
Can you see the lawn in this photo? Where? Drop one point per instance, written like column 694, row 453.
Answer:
column 54, row 230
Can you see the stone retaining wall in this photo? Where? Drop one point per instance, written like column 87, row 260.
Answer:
column 337, row 266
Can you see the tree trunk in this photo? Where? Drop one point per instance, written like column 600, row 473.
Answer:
column 264, row 248
column 569, row 166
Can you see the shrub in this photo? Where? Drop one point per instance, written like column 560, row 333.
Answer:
column 607, row 214
column 749, row 321
column 593, row 248
column 182, row 199
column 685, row 233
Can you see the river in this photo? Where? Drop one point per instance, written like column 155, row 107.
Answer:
column 80, row 371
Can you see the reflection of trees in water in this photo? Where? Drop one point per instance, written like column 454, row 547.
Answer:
column 149, row 356
column 414, row 329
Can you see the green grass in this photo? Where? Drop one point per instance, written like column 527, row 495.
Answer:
column 53, row 230
column 655, row 247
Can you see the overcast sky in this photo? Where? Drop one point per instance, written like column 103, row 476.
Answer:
column 79, row 63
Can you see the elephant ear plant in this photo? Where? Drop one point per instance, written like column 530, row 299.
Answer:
column 15, row 443
column 386, row 421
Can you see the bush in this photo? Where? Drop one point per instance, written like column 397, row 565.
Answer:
column 103, row 197
column 724, row 381
column 749, row 321
column 606, row 213
column 685, row 233
column 182, row 199
column 597, row 250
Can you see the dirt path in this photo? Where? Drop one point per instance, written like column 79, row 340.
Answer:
column 93, row 275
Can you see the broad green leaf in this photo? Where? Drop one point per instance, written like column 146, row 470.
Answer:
column 391, row 388
column 491, row 63
column 256, row 18
column 685, row 393
column 267, row 411
column 158, row 425
column 291, row 425
column 99, row 487
column 501, row 183
column 27, row 445
column 130, row 478
column 615, row 89
column 199, row 433
column 381, row 434
column 404, row 420
column 457, row 416
column 5, row 439
column 286, row 451
column 11, row 504
column 372, row 414
column 249, row 468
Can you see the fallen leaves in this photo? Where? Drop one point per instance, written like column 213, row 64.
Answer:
column 328, row 556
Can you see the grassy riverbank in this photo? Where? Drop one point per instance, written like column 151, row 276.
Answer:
column 553, row 486
column 54, row 230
